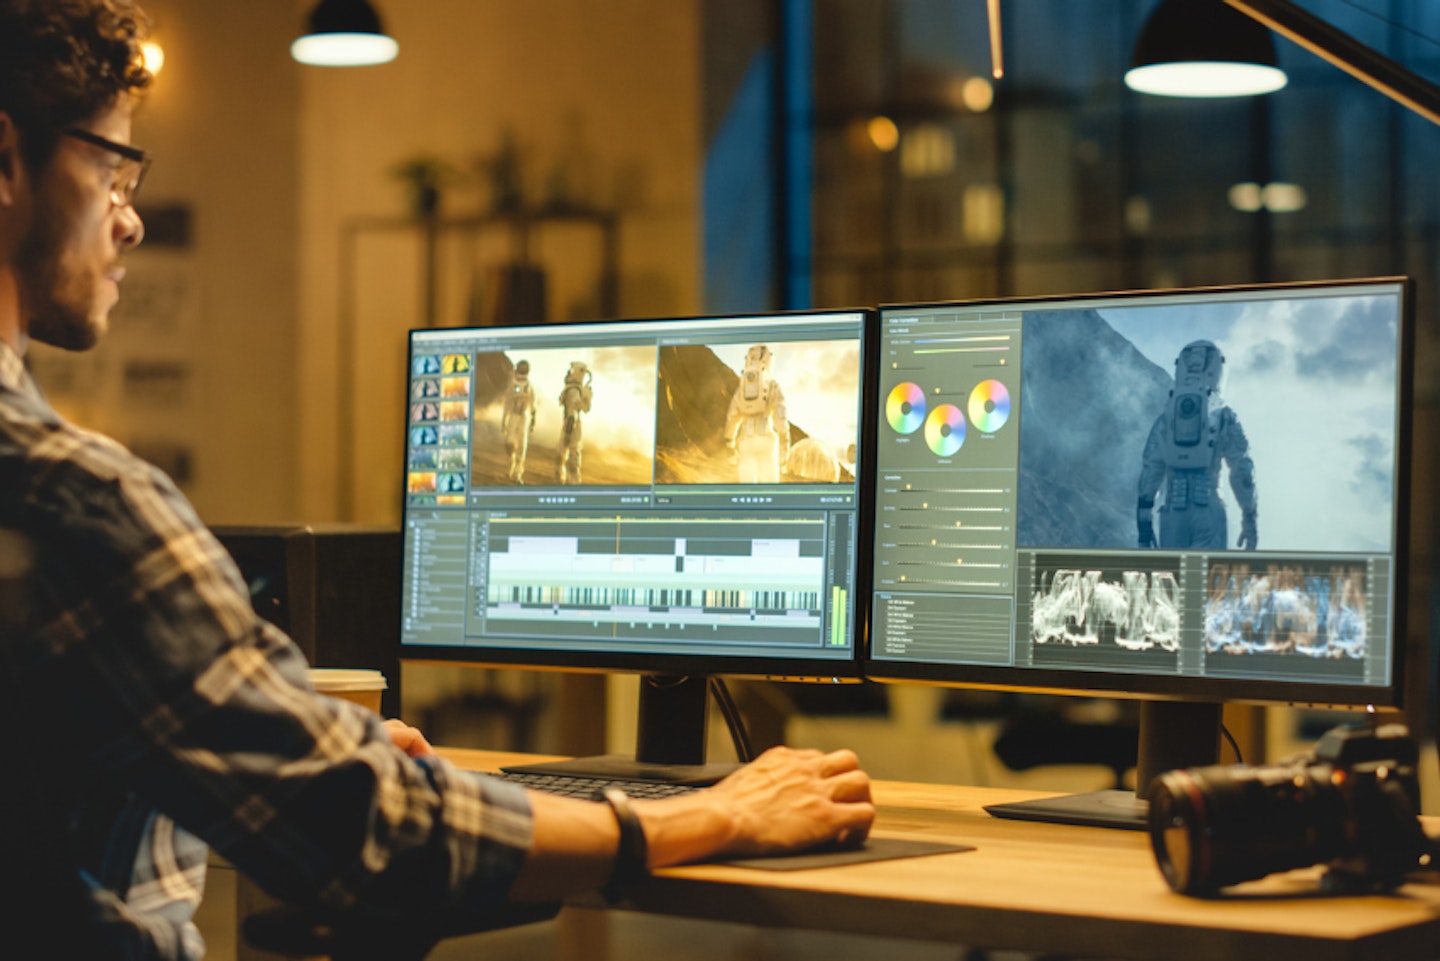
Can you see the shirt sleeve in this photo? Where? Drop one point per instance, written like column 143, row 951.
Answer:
column 162, row 682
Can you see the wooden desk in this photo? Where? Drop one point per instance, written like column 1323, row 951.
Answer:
column 1087, row 892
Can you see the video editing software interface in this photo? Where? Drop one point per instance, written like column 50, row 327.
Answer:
column 1198, row 486
column 579, row 494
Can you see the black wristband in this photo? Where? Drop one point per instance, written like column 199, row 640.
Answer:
column 630, row 857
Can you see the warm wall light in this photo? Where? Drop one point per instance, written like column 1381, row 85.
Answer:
column 1283, row 198
column 1246, row 197
column 153, row 55
column 978, row 94
column 344, row 33
column 1203, row 48
column 973, row 94
column 1278, row 197
column 1139, row 215
column 927, row 150
column 883, row 133
column 983, row 213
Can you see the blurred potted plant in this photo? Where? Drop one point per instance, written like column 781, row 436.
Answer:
column 424, row 177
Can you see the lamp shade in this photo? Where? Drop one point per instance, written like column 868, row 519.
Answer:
column 344, row 33
column 1204, row 48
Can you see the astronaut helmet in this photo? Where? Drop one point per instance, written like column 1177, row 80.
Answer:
column 522, row 370
column 1199, row 367
column 578, row 374
column 759, row 356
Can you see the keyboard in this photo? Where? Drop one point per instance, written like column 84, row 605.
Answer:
column 589, row 788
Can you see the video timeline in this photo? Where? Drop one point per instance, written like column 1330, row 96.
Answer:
column 692, row 576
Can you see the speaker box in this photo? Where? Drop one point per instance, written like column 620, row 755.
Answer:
column 335, row 589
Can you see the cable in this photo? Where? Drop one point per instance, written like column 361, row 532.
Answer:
column 1225, row 732
column 738, row 734
column 1391, row 22
column 665, row 682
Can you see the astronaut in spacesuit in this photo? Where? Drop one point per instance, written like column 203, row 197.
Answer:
column 756, row 428
column 1192, row 437
column 575, row 401
column 517, row 420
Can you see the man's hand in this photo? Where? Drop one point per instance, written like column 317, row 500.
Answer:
column 407, row 738
column 788, row 799
column 784, row 800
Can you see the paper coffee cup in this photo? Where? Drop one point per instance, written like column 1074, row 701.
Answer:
column 361, row 686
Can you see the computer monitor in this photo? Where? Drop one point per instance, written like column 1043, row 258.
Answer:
column 677, row 498
column 1188, row 496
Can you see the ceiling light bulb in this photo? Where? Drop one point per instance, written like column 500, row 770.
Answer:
column 344, row 49
column 1197, row 78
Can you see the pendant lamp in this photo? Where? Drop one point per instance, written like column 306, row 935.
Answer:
column 344, row 33
column 1204, row 48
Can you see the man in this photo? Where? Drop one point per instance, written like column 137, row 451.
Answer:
column 159, row 713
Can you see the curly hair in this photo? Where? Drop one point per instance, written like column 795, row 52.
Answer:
column 64, row 61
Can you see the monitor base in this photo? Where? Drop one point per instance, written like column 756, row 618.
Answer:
column 1100, row 809
column 621, row 767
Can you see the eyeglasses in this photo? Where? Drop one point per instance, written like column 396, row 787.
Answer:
column 129, row 174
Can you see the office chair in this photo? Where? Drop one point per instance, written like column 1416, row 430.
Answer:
column 1038, row 738
column 40, row 913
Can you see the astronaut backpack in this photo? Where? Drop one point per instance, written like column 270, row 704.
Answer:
column 575, row 398
column 519, row 401
column 755, row 382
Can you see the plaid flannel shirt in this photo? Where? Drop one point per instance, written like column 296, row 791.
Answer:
column 171, row 713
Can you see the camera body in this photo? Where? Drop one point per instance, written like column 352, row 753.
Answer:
column 1352, row 804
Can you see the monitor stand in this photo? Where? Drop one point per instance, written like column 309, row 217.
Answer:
column 669, row 742
column 1173, row 734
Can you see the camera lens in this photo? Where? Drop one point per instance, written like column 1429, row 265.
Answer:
column 1217, row 826
column 1176, row 833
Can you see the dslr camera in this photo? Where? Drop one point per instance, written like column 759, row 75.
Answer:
column 1352, row 804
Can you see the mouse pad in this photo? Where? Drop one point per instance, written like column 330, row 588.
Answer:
column 875, row 849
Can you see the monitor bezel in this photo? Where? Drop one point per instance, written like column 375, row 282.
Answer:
column 817, row 670
column 1190, row 688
